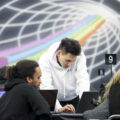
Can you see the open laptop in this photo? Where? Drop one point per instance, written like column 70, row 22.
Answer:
column 85, row 103
column 50, row 96
column 1, row 92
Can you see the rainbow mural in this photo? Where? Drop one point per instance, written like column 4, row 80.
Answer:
column 80, row 31
column 29, row 27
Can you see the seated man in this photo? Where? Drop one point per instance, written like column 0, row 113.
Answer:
column 64, row 68
column 22, row 100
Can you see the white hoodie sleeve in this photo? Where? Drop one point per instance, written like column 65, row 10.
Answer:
column 83, row 82
column 44, row 63
column 46, row 77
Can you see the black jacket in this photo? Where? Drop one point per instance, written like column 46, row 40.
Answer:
column 23, row 102
column 114, row 99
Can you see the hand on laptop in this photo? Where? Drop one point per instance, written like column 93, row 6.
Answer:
column 67, row 108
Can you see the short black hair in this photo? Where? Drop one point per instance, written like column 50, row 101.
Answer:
column 68, row 45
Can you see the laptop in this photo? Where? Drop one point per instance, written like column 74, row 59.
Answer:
column 1, row 92
column 85, row 103
column 50, row 96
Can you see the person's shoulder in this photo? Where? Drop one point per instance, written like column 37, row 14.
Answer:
column 55, row 45
column 25, row 87
column 82, row 55
column 115, row 86
column 53, row 48
column 50, row 52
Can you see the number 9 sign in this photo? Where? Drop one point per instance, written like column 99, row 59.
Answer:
column 110, row 59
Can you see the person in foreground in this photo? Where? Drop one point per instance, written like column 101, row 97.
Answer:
column 114, row 95
column 64, row 68
column 22, row 100
column 109, row 103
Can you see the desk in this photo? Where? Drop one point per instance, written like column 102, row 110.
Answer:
column 67, row 116
column 56, row 116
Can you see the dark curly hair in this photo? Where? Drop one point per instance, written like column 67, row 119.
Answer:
column 22, row 69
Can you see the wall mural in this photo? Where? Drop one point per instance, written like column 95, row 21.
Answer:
column 29, row 27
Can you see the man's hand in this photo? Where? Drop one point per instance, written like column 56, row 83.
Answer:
column 67, row 108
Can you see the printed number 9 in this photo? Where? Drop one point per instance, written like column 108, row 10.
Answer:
column 110, row 59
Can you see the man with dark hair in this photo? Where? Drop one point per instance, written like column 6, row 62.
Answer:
column 70, row 46
column 64, row 68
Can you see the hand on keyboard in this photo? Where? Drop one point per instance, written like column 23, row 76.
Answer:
column 67, row 108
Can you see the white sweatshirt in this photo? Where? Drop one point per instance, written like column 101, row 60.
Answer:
column 70, row 82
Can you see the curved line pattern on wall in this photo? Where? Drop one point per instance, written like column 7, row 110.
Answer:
column 28, row 28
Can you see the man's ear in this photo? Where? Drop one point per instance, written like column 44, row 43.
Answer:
column 59, row 52
column 29, row 80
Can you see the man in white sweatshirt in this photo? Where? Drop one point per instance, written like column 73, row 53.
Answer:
column 64, row 68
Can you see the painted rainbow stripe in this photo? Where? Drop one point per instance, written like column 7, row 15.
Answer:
column 87, row 30
column 80, row 31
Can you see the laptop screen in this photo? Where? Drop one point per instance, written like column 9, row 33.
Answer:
column 86, row 101
column 1, row 92
column 50, row 96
